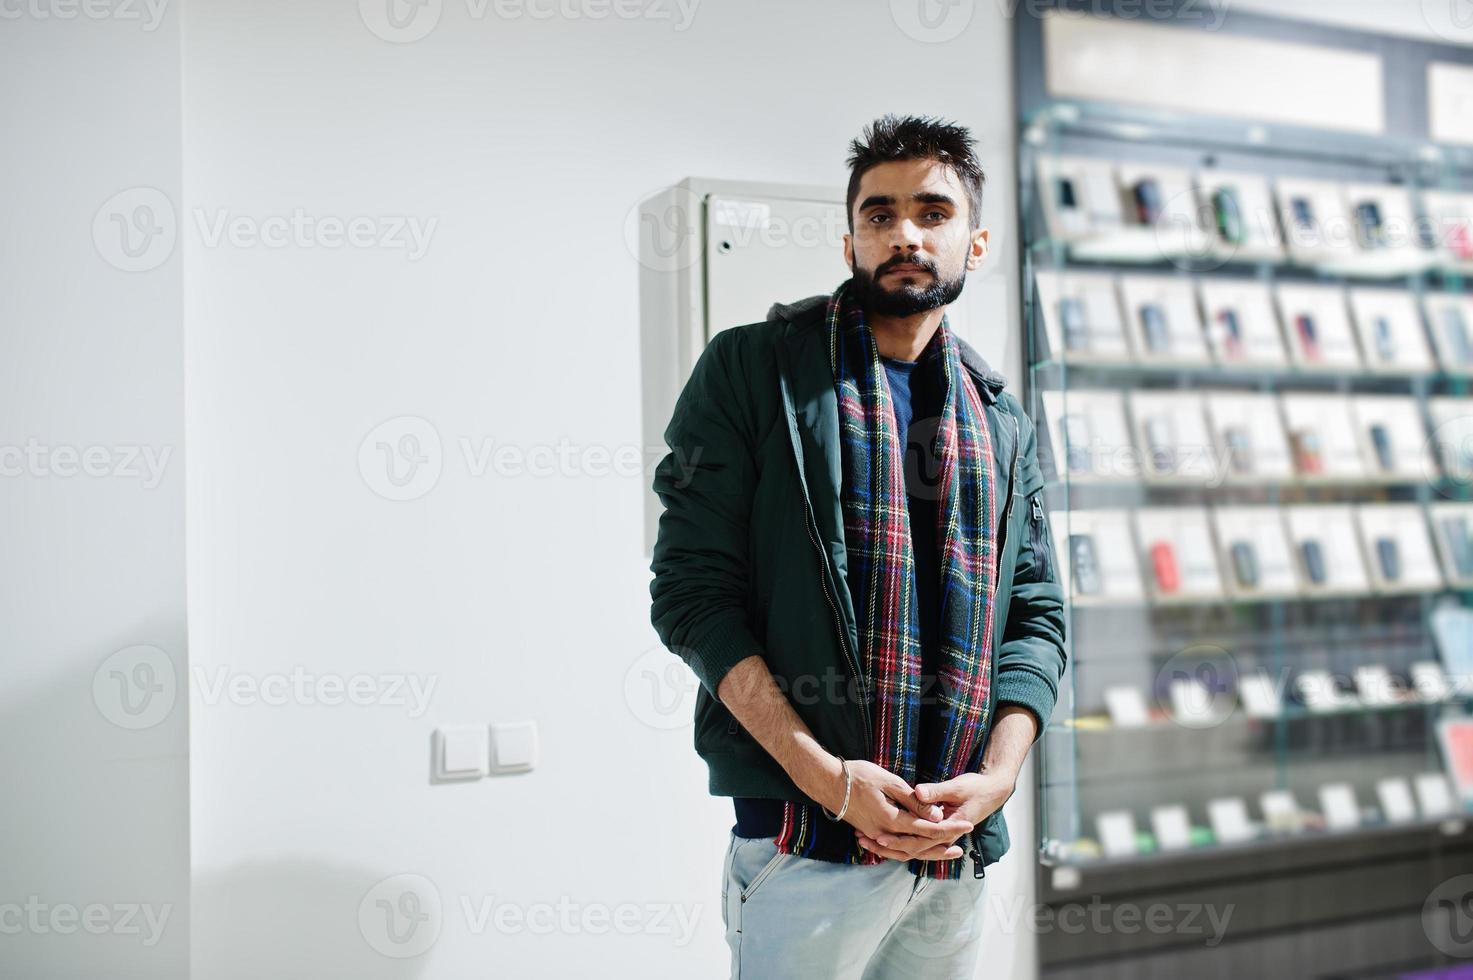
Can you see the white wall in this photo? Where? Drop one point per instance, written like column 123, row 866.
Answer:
column 528, row 141
column 94, row 862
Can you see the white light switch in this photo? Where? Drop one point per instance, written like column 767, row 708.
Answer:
column 513, row 746
column 461, row 752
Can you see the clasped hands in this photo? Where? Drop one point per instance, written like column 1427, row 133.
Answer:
column 895, row 820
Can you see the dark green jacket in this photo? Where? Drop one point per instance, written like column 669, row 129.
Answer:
column 750, row 555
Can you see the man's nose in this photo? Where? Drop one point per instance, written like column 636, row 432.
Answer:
column 907, row 236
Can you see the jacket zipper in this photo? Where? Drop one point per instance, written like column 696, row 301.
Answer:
column 823, row 581
column 978, row 871
column 808, row 519
column 1038, row 538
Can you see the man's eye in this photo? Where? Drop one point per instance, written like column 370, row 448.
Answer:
column 938, row 215
column 878, row 217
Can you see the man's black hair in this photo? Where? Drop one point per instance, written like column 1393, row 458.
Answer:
column 892, row 137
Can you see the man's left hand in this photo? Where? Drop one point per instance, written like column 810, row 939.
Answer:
column 972, row 796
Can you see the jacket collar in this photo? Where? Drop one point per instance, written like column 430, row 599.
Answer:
column 806, row 319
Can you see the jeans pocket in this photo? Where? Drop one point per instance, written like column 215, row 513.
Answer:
column 776, row 858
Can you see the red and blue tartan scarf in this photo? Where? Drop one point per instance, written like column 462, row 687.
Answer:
column 934, row 740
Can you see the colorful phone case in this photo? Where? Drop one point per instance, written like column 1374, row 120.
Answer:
column 1147, row 193
column 1308, row 336
column 1313, row 557
column 1086, row 571
column 1229, row 215
column 1153, row 325
column 1245, row 564
column 1163, row 562
column 1232, row 333
column 1389, row 557
column 1076, row 331
column 1381, row 440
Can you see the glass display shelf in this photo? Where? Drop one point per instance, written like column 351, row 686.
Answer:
column 1258, row 467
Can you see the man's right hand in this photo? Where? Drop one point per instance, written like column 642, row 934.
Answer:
column 882, row 802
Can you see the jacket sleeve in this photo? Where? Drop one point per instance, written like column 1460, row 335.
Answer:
column 1032, row 654
column 705, row 484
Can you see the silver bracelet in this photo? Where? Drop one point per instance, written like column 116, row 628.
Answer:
column 840, row 815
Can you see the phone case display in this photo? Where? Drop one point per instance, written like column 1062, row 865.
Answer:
column 1160, row 211
column 1390, row 328
column 1452, row 436
column 1316, row 221
column 1326, row 548
column 1254, row 551
column 1079, row 197
column 1322, row 437
column 1316, row 325
column 1089, row 437
column 1177, row 553
column 1450, row 226
column 1452, row 526
column 1384, row 229
column 1397, row 547
column 1080, row 312
column 1161, row 312
column 1171, row 432
column 1242, row 325
column 1272, row 558
column 1239, row 213
column 1450, row 322
column 1248, row 436
column 1097, row 557
column 1393, row 438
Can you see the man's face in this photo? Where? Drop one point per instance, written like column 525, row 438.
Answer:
column 912, row 246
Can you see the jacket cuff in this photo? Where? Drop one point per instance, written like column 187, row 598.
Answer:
column 719, row 651
column 1025, row 688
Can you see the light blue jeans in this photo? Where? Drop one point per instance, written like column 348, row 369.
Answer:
column 792, row 916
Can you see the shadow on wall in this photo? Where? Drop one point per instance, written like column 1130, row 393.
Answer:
column 300, row 919
column 94, row 869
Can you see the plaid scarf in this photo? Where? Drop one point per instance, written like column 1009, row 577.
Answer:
column 918, row 742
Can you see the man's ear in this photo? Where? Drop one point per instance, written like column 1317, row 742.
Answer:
column 849, row 251
column 978, row 249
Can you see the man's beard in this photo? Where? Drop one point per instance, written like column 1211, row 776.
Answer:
column 906, row 300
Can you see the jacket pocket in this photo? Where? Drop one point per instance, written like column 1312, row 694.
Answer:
column 1038, row 538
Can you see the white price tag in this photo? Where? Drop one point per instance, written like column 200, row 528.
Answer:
column 1127, row 707
column 1341, row 810
column 1229, row 818
column 1434, row 795
column 1117, row 833
column 1172, row 826
column 1260, row 697
column 1396, row 801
